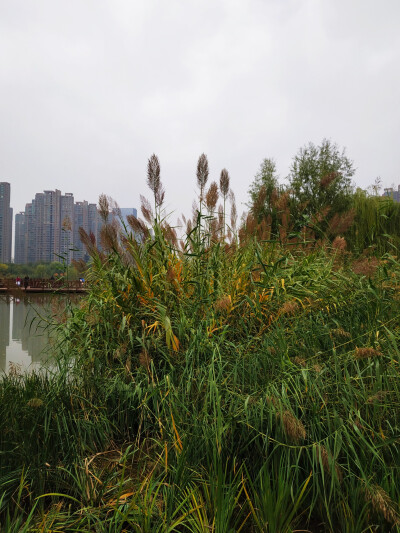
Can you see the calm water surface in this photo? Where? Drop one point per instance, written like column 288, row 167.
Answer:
column 24, row 340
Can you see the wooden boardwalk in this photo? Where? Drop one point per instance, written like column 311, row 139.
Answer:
column 43, row 285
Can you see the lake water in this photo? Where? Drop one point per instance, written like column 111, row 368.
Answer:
column 24, row 340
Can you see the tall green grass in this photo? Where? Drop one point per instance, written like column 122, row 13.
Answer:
column 212, row 387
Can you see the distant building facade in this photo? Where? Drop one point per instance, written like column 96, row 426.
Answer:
column 48, row 230
column 392, row 193
column 20, row 247
column 6, row 216
column 87, row 217
column 125, row 212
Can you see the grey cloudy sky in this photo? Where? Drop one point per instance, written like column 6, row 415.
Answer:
column 91, row 88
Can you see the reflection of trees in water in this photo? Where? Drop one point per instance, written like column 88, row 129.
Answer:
column 30, row 322
column 4, row 330
column 28, row 330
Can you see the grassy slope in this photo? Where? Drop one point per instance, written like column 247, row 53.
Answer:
column 220, row 389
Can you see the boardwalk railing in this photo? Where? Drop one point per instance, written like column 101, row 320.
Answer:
column 44, row 284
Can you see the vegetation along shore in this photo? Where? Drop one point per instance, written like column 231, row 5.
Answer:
column 228, row 376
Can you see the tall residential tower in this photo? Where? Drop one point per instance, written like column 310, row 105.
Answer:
column 5, row 222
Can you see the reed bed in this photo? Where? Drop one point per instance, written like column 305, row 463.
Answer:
column 211, row 386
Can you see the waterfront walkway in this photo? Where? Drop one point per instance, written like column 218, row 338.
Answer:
column 43, row 285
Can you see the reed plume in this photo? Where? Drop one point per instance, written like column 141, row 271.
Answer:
column 224, row 181
column 104, row 208
column 202, row 175
column 154, row 180
column 382, row 504
column 293, row 427
column 212, row 197
column 234, row 215
column 138, row 226
column 365, row 353
column 146, row 209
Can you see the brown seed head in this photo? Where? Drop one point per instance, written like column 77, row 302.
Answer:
column 289, row 308
column 377, row 397
column 87, row 241
column 170, row 234
column 212, row 197
column 146, row 209
column 144, row 359
column 224, row 303
column 328, row 179
column 340, row 223
column 224, row 183
column 339, row 244
column 293, row 427
column 300, row 361
column 382, row 504
column 340, row 332
column 35, row 402
column 202, row 172
column 221, row 216
column 138, row 226
column 365, row 266
column 153, row 173
column 104, row 208
column 365, row 353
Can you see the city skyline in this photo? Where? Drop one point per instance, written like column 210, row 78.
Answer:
column 48, row 229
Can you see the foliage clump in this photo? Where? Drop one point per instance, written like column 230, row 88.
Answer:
column 210, row 381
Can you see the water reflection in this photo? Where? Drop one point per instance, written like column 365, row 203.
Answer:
column 24, row 340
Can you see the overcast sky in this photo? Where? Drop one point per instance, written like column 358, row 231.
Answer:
column 89, row 89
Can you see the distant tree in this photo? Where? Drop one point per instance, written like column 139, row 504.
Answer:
column 265, row 192
column 40, row 271
column 320, row 179
column 262, row 189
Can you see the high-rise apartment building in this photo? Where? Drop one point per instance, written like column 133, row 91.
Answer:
column 30, row 233
column 86, row 217
column 48, row 230
column 19, row 232
column 5, row 223
column 391, row 193
column 67, row 227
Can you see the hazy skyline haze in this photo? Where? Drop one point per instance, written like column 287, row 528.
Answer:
column 91, row 89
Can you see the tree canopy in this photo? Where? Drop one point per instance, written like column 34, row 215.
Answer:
column 320, row 178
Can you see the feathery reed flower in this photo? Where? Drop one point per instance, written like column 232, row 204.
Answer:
column 365, row 266
column 224, row 181
column 339, row 244
column 382, row 504
column 146, row 209
column 104, row 208
column 293, row 427
column 154, row 180
column 364, row 353
column 212, row 197
column 377, row 397
column 340, row 332
column 300, row 361
column 138, row 226
column 289, row 308
column 224, row 303
column 35, row 403
column 202, row 173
